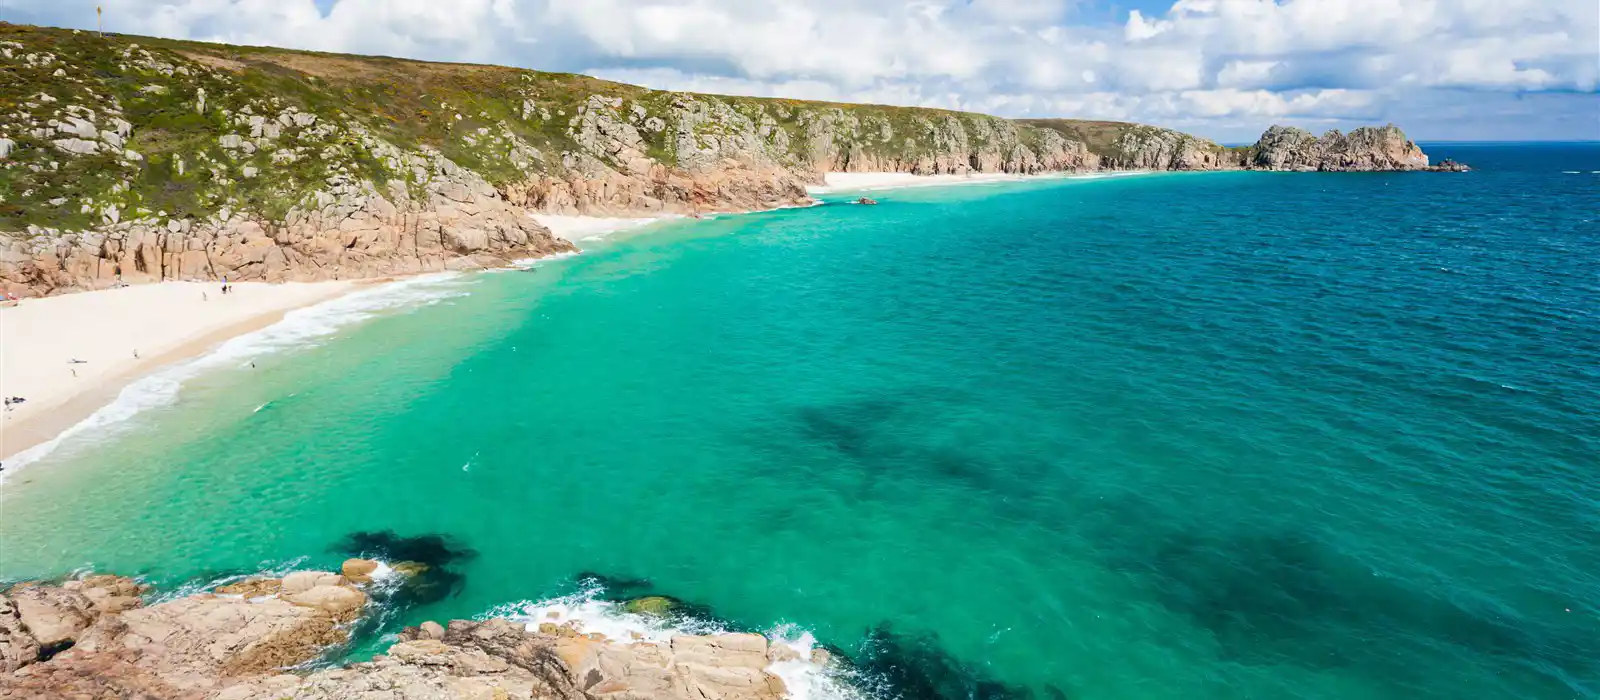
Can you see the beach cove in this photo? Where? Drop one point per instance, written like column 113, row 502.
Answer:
column 1101, row 438
column 67, row 357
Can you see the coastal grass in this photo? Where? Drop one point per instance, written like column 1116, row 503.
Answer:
column 509, row 125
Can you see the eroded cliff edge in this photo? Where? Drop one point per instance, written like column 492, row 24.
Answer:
column 94, row 637
column 148, row 159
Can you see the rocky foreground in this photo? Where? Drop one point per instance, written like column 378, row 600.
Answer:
column 136, row 159
column 95, row 638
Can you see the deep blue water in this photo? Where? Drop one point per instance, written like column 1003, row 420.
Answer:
column 1221, row 435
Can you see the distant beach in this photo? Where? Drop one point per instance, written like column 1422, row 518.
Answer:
column 859, row 182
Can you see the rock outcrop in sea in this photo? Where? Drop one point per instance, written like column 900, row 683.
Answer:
column 131, row 159
column 94, row 638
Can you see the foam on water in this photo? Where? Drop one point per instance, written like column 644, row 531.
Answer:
column 198, row 586
column 527, row 263
column 298, row 329
column 587, row 613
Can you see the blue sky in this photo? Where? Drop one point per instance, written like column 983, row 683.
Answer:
column 1227, row 69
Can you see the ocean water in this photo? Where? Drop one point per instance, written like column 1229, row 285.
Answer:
column 1222, row 435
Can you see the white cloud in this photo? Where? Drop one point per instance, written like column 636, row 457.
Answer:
column 1243, row 74
column 1217, row 65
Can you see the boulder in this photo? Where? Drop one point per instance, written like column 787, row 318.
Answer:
column 358, row 570
column 17, row 647
column 253, row 588
column 342, row 602
column 301, row 581
column 109, row 594
column 53, row 616
column 233, row 648
column 201, row 638
column 77, row 146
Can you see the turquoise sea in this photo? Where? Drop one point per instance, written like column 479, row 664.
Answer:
column 1221, row 435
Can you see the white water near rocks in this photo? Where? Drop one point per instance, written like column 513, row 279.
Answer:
column 587, row 613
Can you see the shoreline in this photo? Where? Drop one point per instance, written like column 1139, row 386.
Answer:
column 576, row 228
column 250, row 638
column 166, row 323
column 839, row 182
column 170, row 323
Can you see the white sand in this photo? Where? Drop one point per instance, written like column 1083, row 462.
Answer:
column 866, row 182
column 849, row 182
column 163, row 323
column 580, row 228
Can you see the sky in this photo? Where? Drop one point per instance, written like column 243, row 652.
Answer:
column 1224, row 69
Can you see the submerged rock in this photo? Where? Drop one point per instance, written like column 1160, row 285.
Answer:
column 657, row 606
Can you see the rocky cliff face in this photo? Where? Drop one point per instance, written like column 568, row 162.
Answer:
column 1365, row 149
column 155, row 159
column 93, row 638
column 350, row 230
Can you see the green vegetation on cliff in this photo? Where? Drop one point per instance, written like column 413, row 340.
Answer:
column 100, row 130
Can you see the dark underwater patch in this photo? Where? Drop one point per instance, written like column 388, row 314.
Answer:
column 849, row 427
column 881, row 438
column 1272, row 598
column 915, row 667
column 616, row 586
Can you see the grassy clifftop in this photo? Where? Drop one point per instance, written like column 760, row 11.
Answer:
column 100, row 130
column 95, row 129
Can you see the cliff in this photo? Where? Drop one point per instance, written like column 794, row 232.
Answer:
column 94, row 637
column 150, row 159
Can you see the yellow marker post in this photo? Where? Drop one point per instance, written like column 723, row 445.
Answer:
column 100, row 21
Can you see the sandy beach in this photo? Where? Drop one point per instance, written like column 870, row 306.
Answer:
column 68, row 355
column 871, row 181
column 866, row 182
